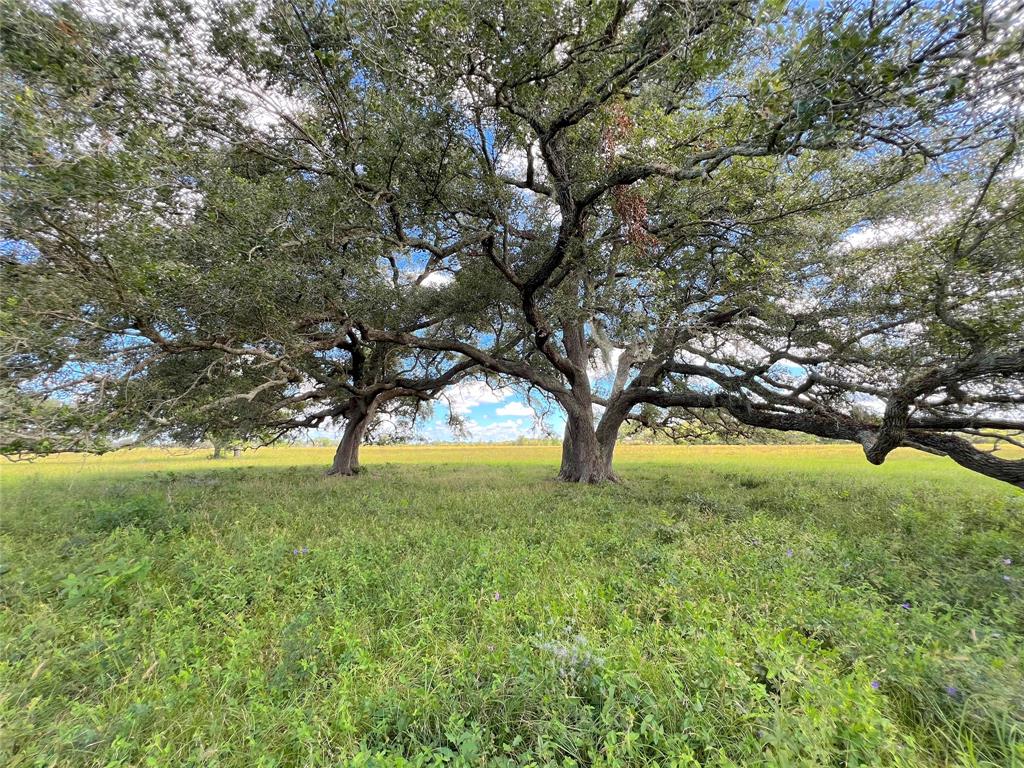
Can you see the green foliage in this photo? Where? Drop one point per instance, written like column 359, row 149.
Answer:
column 254, row 219
column 147, row 512
column 723, row 607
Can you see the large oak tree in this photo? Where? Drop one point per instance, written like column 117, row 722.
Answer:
column 339, row 204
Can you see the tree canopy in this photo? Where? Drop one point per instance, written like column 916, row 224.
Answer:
column 264, row 216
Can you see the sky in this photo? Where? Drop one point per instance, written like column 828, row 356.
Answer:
column 501, row 413
column 490, row 415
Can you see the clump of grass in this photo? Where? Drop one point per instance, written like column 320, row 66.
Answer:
column 148, row 512
column 724, row 606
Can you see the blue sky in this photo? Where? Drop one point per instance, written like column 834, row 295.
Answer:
column 490, row 414
column 494, row 414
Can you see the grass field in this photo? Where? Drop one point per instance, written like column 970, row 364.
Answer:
column 784, row 606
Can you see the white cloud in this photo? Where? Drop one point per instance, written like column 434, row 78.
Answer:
column 193, row 59
column 479, row 432
column 883, row 233
column 509, row 429
column 800, row 303
column 497, row 431
column 515, row 409
column 471, row 393
column 893, row 231
column 437, row 279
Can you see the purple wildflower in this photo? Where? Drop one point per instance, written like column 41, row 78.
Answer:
column 789, row 553
column 295, row 551
column 497, row 596
column 1007, row 561
column 305, row 550
column 875, row 684
column 952, row 690
column 905, row 606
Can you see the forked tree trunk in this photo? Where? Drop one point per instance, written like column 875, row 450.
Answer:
column 358, row 418
column 584, row 459
column 587, row 453
column 608, row 429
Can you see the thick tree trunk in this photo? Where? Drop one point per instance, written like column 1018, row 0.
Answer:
column 567, row 449
column 346, row 458
column 587, row 453
column 607, row 448
column 216, row 450
column 584, row 459
column 608, row 428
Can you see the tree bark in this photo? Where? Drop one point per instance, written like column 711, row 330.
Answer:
column 216, row 449
column 358, row 418
column 607, row 432
column 584, row 458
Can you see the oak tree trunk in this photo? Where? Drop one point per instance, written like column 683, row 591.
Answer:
column 608, row 429
column 587, row 453
column 584, row 459
column 346, row 458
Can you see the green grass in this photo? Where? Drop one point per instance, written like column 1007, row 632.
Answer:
column 723, row 606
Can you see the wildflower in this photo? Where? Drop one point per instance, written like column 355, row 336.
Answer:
column 497, row 596
column 1007, row 561
column 875, row 684
column 952, row 691
column 905, row 606
column 1006, row 578
column 295, row 551
column 305, row 550
column 789, row 553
